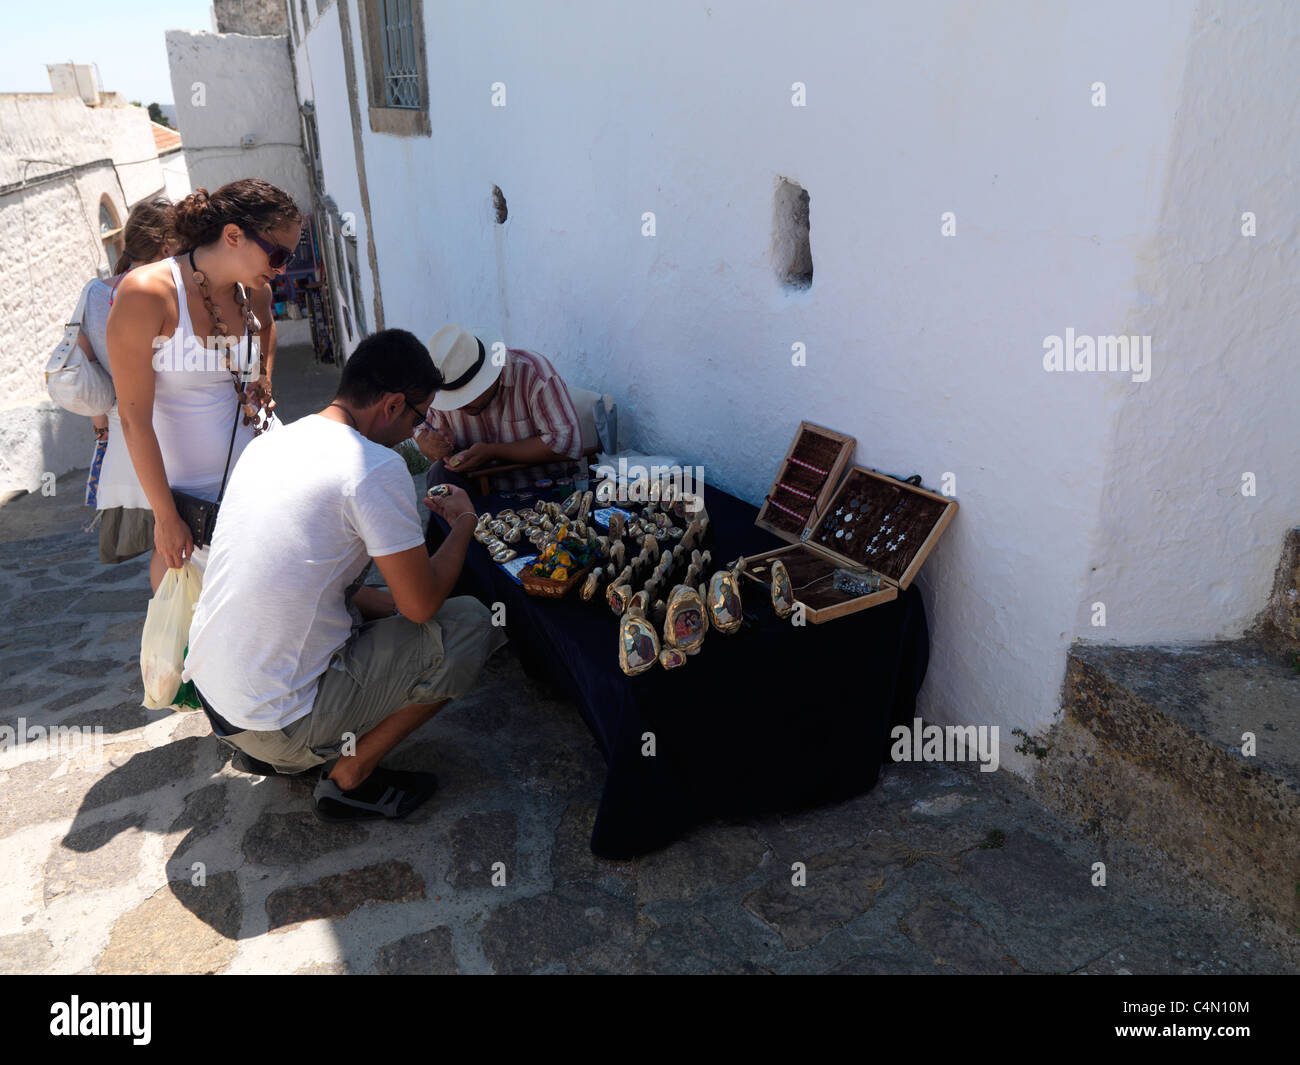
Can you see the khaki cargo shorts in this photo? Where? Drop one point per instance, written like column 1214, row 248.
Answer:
column 386, row 664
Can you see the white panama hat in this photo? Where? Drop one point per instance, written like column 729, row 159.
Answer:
column 466, row 370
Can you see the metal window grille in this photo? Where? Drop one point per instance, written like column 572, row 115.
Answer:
column 401, row 77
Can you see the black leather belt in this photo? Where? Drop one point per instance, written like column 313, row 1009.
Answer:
column 220, row 725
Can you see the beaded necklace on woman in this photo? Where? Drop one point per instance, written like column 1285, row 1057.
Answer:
column 251, row 403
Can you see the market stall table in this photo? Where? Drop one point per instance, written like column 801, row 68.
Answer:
column 772, row 717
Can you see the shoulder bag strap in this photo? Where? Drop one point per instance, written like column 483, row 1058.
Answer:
column 239, row 409
column 61, row 356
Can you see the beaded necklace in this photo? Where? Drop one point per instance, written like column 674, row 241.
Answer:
column 253, row 401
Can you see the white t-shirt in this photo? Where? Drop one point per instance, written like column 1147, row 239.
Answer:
column 305, row 508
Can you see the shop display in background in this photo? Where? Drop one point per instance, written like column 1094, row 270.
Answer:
column 302, row 292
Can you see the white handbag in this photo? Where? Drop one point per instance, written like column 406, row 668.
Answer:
column 75, row 382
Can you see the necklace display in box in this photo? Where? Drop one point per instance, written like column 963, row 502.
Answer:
column 857, row 537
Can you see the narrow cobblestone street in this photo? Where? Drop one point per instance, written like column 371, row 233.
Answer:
column 939, row 869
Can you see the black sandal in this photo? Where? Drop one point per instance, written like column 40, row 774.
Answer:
column 391, row 794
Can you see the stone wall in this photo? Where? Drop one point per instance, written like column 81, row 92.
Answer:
column 49, row 247
column 253, row 18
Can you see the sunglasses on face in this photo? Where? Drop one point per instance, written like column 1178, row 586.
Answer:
column 276, row 254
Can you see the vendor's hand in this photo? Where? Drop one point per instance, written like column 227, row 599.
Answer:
column 172, row 539
column 452, row 505
column 434, row 444
column 475, row 455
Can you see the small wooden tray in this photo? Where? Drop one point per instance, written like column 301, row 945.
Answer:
column 548, row 588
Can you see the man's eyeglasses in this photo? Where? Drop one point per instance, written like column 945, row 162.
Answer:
column 277, row 255
column 421, row 419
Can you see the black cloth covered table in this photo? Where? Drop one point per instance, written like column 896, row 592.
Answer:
column 771, row 717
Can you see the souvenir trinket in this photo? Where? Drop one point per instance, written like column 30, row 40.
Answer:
column 439, row 490
column 671, row 658
column 591, row 585
column 724, row 601
column 782, row 594
column 856, row 582
column 684, row 625
column 618, row 596
column 638, row 644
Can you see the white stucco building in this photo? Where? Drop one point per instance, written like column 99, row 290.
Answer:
column 171, row 157
column 235, row 108
column 980, row 180
column 72, row 165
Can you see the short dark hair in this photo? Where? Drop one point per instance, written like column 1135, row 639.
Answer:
column 391, row 360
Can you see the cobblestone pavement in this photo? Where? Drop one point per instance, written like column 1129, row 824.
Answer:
column 941, row 869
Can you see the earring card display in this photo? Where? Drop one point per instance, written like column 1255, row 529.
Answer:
column 870, row 521
column 808, row 474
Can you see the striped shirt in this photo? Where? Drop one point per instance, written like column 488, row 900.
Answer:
column 532, row 401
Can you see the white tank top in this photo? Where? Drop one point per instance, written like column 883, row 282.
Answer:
column 193, row 411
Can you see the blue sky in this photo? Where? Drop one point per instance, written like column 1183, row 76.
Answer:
column 124, row 39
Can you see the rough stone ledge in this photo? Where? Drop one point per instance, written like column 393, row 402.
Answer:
column 1144, row 755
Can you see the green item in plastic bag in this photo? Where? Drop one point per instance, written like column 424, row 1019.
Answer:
column 187, row 696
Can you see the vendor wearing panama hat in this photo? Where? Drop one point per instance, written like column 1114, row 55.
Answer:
column 466, row 370
column 496, row 407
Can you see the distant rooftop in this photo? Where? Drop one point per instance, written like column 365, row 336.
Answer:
column 164, row 139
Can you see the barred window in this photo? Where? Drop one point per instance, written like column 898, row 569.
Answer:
column 397, row 69
column 401, row 72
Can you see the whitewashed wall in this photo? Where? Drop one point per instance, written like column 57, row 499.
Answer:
column 228, row 85
column 1104, row 220
column 49, row 247
column 177, row 176
column 1181, row 553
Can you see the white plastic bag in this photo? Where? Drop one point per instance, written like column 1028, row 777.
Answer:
column 167, row 633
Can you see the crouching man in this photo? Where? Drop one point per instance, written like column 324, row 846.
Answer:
column 298, row 664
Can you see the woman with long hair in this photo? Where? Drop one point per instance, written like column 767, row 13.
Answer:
column 125, row 520
column 191, row 341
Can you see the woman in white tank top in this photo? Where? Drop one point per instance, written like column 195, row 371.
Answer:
column 180, row 412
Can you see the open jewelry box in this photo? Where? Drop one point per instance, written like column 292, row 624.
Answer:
column 867, row 521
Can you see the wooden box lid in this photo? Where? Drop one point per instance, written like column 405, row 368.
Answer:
column 808, row 475
column 884, row 524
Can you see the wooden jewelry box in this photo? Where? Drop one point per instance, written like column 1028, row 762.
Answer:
column 867, row 521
